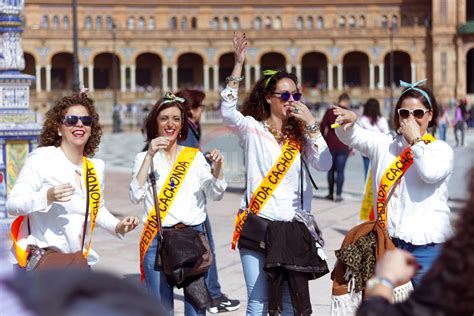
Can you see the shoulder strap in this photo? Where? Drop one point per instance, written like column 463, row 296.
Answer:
column 303, row 163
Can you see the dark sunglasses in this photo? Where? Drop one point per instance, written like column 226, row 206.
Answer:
column 285, row 96
column 417, row 113
column 71, row 120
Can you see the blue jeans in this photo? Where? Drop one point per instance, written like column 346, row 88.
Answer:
column 212, row 281
column 366, row 166
column 257, row 284
column 425, row 255
column 338, row 164
column 442, row 131
column 159, row 287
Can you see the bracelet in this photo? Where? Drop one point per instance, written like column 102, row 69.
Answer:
column 312, row 128
column 415, row 140
column 372, row 282
column 234, row 79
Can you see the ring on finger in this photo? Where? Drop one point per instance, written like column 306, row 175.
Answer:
column 296, row 110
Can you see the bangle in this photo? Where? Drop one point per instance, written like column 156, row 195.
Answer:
column 234, row 79
column 415, row 140
column 372, row 282
column 312, row 128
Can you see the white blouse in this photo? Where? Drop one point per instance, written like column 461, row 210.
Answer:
column 189, row 206
column 418, row 210
column 59, row 225
column 261, row 151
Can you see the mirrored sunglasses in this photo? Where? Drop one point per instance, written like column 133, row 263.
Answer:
column 285, row 96
column 71, row 120
column 417, row 113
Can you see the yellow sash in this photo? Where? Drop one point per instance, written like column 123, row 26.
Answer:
column 396, row 170
column 268, row 185
column 368, row 199
column 166, row 197
column 91, row 182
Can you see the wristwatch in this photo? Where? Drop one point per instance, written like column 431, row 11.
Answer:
column 415, row 140
column 373, row 281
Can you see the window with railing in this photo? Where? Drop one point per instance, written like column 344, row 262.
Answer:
column 235, row 23
column 131, row 23
column 98, row 23
column 141, row 23
column 225, row 23
column 151, row 23
column 109, row 22
column 173, row 23
column 299, row 23
column 320, row 23
column 44, row 24
column 309, row 23
column 193, row 23
column 257, row 24
column 55, row 22
column 215, row 23
column 66, row 22
column 88, row 22
column 342, row 22
column 277, row 23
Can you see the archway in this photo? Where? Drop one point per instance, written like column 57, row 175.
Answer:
column 274, row 61
column 190, row 72
column 356, row 70
column 313, row 71
column 401, row 68
column 148, row 71
column 61, row 71
column 103, row 74
column 470, row 71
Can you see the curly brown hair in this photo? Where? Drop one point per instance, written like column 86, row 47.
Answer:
column 256, row 104
column 54, row 119
column 453, row 271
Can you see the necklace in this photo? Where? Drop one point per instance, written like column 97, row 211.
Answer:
column 280, row 136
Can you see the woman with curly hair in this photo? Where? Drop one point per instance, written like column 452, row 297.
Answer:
column 445, row 290
column 52, row 191
column 280, row 135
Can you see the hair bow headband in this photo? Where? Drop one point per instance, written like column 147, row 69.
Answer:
column 414, row 86
column 270, row 73
column 84, row 91
column 170, row 98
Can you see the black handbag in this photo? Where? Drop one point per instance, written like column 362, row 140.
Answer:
column 254, row 230
column 254, row 233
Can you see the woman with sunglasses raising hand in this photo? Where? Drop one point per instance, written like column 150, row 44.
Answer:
column 58, row 195
column 280, row 135
column 410, row 174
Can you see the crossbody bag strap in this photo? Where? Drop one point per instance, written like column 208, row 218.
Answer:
column 303, row 163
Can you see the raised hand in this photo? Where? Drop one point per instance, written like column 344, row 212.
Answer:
column 300, row 111
column 409, row 128
column 156, row 144
column 344, row 117
column 240, row 47
column 217, row 159
column 60, row 193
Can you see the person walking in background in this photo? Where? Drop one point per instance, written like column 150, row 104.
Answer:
column 194, row 108
column 447, row 287
column 279, row 135
column 184, row 180
column 339, row 151
column 460, row 116
column 52, row 191
column 410, row 174
column 372, row 120
column 443, row 122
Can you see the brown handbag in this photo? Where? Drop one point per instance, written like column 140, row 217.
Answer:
column 53, row 260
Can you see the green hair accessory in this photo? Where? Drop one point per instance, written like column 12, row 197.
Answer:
column 270, row 73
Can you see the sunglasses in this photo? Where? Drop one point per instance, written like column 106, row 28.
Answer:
column 417, row 113
column 285, row 96
column 71, row 120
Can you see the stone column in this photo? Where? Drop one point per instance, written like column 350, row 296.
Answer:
column 90, row 75
column 48, row 78
column 339, row 76
column 133, row 79
column 381, row 76
column 215, row 74
column 257, row 72
column 413, row 72
column 38, row 78
column 288, row 68
column 247, row 77
column 123, row 80
column 206, row 77
column 298, row 73
column 330, row 78
column 174, row 78
column 371, row 76
column 81, row 76
column 164, row 78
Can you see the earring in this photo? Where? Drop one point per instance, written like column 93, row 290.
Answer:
column 60, row 135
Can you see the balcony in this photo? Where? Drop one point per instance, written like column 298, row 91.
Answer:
column 467, row 28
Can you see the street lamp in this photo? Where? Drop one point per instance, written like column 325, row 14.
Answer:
column 392, row 29
column 75, row 62
column 115, row 107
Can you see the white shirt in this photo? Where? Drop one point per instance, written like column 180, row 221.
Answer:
column 261, row 151
column 59, row 225
column 418, row 210
column 189, row 205
column 380, row 126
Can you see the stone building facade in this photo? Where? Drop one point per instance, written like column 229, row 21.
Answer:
column 332, row 45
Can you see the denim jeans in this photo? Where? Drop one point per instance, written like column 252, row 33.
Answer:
column 425, row 255
column 212, row 280
column 442, row 131
column 257, row 284
column 366, row 166
column 459, row 127
column 159, row 287
column 338, row 164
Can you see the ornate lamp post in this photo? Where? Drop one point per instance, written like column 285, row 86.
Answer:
column 75, row 62
column 392, row 29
